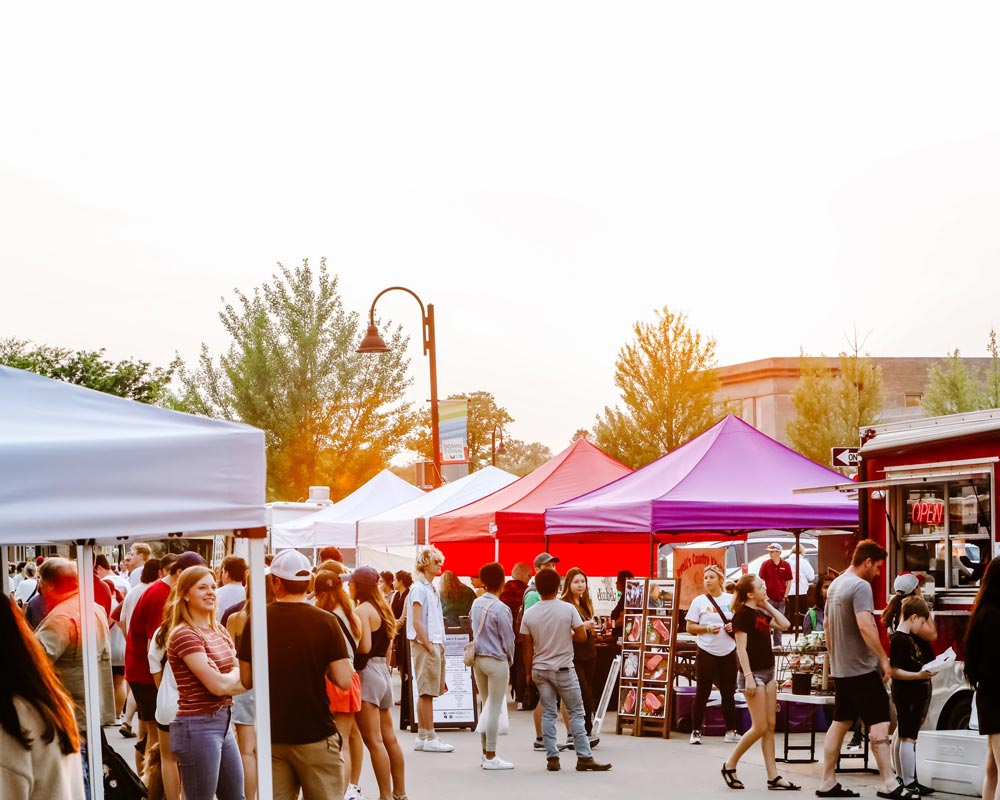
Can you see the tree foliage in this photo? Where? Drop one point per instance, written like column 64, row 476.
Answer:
column 523, row 457
column 483, row 418
column 952, row 388
column 136, row 380
column 332, row 416
column 991, row 387
column 831, row 406
column 667, row 380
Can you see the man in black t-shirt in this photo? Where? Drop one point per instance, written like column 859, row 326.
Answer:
column 305, row 646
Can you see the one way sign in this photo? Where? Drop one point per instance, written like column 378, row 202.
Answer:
column 845, row 456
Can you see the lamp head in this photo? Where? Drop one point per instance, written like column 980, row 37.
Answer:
column 373, row 343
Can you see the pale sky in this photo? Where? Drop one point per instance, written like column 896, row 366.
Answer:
column 544, row 173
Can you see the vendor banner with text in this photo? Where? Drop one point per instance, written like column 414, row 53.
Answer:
column 452, row 416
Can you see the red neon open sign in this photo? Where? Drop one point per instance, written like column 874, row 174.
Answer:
column 928, row 513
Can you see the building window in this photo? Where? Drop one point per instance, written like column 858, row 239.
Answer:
column 946, row 530
column 912, row 400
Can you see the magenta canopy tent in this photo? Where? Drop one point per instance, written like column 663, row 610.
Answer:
column 730, row 478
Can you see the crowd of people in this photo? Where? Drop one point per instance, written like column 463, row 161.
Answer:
column 174, row 648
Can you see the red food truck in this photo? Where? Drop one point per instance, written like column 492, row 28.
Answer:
column 927, row 492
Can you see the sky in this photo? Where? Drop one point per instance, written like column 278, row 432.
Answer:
column 545, row 173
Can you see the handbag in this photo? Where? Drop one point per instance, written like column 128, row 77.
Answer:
column 120, row 782
column 469, row 651
column 531, row 697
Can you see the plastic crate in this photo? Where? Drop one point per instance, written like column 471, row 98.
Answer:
column 799, row 716
column 713, row 724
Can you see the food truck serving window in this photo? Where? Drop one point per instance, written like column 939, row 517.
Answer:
column 946, row 530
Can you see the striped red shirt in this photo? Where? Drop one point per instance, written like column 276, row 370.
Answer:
column 193, row 697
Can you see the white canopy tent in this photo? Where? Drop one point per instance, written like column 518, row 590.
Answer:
column 338, row 524
column 83, row 467
column 401, row 525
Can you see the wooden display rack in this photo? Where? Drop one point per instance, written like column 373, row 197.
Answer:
column 645, row 703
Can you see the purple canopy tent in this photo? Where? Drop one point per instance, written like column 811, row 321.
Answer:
column 730, row 479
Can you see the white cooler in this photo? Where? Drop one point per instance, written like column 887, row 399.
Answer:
column 952, row 761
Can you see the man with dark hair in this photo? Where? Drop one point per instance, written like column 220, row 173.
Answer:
column 549, row 628
column 231, row 591
column 305, row 647
column 331, row 553
column 860, row 667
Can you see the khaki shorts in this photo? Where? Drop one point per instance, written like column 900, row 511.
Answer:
column 428, row 669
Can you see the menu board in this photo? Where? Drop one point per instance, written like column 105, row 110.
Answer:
column 648, row 636
column 457, row 707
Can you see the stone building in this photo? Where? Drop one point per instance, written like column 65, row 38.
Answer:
column 764, row 389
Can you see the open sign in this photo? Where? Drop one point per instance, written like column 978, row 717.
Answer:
column 928, row 513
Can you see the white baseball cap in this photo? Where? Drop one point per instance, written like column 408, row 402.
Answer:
column 291, row 565
column 774, row 547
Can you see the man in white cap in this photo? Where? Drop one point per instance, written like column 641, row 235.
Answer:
column 305, row 646
column 777, row 577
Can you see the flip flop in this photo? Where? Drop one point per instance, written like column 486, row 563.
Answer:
column 899, row 793
column 836, row 791
column 781, row 784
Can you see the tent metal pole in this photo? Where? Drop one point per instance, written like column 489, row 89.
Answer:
column 91, row 676
column 652, row 555
column 4, row 570
column 261, row 672
column 798, row 571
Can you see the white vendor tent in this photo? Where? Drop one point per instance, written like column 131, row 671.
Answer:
column 338, row 524
column 402, row 525
column 81, row 466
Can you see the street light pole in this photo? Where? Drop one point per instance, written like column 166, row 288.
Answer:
column 374, row 343
column 494, row 450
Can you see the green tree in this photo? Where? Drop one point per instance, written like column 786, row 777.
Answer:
column 332, row 416
column 991, row 388
column 951, row 388
column 484, row 416
column 136, row 380
column 581, row 433
column 831, row 406
column 523, row 457
column 667, row 380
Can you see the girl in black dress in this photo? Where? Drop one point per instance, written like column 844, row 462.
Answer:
column 982, row 653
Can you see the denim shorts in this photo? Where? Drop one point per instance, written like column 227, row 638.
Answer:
column 243, row 708
column 762, row 677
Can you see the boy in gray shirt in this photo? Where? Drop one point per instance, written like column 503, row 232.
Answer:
column 549, row 628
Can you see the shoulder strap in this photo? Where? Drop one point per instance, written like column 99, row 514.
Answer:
column 725, row 619
column 482, row 621
column 348, row 636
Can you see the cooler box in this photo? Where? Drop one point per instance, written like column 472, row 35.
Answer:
column 952, row 761
column 714, row 724
column 798, row 717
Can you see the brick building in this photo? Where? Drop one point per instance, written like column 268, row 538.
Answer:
column 764, row 388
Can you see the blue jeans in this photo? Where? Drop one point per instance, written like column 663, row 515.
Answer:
column 777, row 605
column 554, row 685
column 208, row 756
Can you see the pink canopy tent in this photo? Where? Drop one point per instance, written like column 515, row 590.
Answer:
column 730, row 479
column 510, row 523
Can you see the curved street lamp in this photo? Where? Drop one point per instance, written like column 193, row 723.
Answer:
column 374, row 343
column 494, row 450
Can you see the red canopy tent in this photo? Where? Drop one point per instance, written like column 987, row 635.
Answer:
column 509, row 525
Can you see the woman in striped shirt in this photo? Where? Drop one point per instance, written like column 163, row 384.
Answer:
column 203, row 661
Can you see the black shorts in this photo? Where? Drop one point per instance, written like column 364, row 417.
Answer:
column 911, row 707
column 861, row 696
column 145, row 700
column 118, row 670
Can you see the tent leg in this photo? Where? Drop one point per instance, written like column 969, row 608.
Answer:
column 91, row 676
column 652, row 555
column 798, row 570
column 4, row 570
column 496, row 549
column 261, row 673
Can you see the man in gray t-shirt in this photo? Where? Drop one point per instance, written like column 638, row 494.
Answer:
column 860, row 669
column 849, row 596
column 549, row 628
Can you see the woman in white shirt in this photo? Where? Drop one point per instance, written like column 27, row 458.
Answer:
column 802, row 577
column 710, row 619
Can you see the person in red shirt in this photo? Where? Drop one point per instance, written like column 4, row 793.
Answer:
column 777, row 577
column 146, row 618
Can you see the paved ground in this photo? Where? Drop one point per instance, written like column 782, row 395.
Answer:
column 644, row 767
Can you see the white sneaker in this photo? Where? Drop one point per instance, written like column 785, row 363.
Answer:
column 418, row 744
column 354, row 792
column 496, row 763
column 436, row 746
column 731, row 737
column 695, row 737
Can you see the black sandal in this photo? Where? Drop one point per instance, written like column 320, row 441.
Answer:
column 836, row 791
column 729, row 776
column 781, row 784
